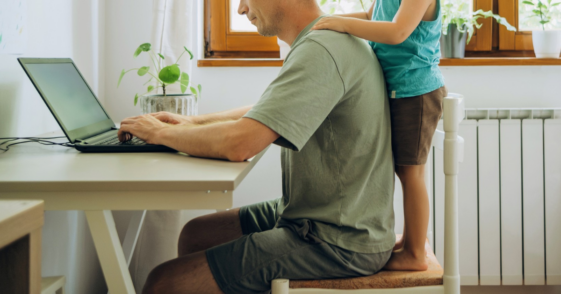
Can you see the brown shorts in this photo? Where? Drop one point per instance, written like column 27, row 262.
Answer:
column 414, row 121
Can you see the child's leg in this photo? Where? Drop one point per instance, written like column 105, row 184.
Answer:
column 416, row 211
column 414, row 120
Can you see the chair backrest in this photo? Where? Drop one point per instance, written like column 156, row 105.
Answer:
column 453, row 146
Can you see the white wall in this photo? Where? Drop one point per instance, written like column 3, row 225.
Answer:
column 56, row 28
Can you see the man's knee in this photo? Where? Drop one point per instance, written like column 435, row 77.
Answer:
column 189, row 234
column 155, row 280
column 209, row 230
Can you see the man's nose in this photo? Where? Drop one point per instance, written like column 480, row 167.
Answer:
column 242, row 9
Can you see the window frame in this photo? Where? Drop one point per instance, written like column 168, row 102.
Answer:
column 515, row 41
column 482, row 39
column 222, row 42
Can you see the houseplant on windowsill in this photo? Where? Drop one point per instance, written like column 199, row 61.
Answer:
column 185, row 104
column 459, row 24
column 547, row 44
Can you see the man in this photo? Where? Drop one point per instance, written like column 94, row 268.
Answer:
column 328, row 108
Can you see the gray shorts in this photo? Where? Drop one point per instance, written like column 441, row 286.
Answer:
column 266, row 252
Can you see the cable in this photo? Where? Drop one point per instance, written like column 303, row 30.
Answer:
column 11, row 141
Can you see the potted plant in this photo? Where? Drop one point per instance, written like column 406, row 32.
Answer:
column 547, row 44
column 185, row 104
column 459, row 24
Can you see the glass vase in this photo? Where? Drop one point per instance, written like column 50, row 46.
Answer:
column 184, row 104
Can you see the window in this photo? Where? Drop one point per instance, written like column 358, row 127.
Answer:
column 229, row 35
column 519, row 15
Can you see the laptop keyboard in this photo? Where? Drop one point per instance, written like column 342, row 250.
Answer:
column 115, row 141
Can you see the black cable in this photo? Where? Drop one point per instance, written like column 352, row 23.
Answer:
column 41, row 140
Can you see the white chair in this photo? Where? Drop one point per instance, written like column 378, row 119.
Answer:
column 434, row 280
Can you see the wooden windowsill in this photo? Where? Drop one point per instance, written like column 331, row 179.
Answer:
column 240, row 62
column 470, row 61
column 499, row 61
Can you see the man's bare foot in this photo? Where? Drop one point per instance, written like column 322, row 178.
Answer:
column 404, row 260
column 399, row 244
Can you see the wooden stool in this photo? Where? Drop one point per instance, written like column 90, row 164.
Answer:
column 53, row 285
column 383, row 279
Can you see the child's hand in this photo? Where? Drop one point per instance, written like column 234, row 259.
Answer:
column 334, row 23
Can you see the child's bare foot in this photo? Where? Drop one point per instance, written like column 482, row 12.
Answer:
column 404, row 260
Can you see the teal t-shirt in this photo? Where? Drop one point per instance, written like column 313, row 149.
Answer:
column 410, row 68
column 330, row 107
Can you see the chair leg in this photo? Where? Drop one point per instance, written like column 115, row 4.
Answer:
column 279, row 286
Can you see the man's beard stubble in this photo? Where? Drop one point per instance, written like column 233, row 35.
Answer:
column 274, row 28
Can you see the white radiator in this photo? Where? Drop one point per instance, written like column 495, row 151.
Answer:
column 509, row 198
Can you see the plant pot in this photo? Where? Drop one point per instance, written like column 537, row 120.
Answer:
column 184, row 104
column 284, row 48
column 547, row 44
column 453, row 44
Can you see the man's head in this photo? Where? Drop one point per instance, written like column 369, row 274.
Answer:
column 271, row 17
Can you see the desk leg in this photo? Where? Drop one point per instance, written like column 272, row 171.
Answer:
column 133, row 231
column 35, row 261
column 110, row 252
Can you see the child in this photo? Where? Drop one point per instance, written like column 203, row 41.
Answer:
column 405, row 37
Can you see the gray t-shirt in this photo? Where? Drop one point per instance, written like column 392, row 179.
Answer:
column 329, row 106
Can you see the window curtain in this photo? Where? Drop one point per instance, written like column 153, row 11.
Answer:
column 173, row 28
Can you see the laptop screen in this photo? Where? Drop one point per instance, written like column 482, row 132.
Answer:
column 69, row 98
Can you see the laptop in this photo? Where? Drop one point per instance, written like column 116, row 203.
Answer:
column 76, row 109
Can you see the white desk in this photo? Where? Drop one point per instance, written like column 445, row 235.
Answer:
column 100, row 182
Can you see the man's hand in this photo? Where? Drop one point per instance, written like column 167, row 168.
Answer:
column 172, row 118
column 334, row 23
column 145, row 127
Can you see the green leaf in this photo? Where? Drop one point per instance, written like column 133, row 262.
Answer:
column 135, row 99
column 528, row 3
column 144, row 47
column 150, row 88
column 161, row 56
column 121, row 77
column 143, row 70
column 194, row 91
column 200, row 88
column 170, row 74
column 552, row 5
column 184, row 82
column 190, row 54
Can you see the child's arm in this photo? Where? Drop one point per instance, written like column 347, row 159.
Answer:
column 361, row 15
column 407, row 18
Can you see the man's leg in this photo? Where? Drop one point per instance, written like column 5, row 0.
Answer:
column 186, row 274
column 209, row 230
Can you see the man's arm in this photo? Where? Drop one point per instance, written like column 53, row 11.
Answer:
column 235, row 140
column 228, row 115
